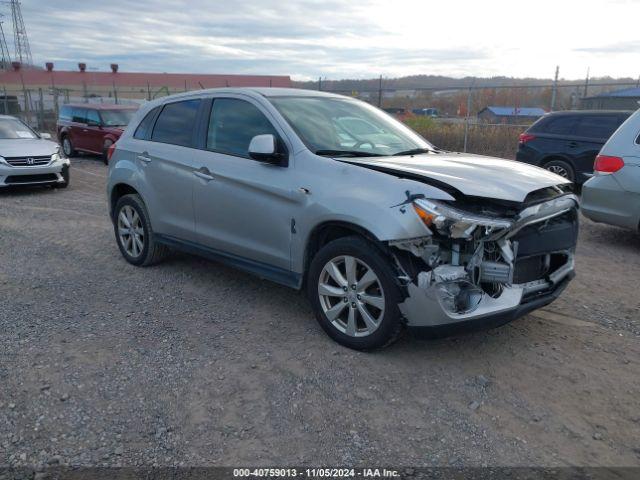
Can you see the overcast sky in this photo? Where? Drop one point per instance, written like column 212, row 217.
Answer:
column 339, row 39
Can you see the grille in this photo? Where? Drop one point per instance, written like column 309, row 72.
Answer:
column 28, row 161
column 557, row 233
column 17, row 179
column 537, row 267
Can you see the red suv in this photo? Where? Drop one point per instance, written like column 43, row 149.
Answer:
column 92, row 128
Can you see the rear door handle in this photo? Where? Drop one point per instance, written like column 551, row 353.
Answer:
column 572, row 144
column 144, row 157
column 204, row 173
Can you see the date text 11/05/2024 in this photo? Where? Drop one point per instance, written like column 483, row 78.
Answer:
column 316, row 472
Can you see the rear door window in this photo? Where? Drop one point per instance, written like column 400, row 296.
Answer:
column 176, row 123
column 598, row 126
column 93, row 116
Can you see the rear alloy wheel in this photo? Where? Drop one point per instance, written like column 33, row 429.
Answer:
column 562, row 168
column 352, row 288
column 134, row 235
column 130, row 231
column 67, row 147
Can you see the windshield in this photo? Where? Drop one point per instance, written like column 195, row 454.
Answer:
column 13, row 128
column 346, row 127
column 116, row 118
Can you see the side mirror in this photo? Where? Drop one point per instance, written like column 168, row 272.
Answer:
column 45, row 135
column 264, row 148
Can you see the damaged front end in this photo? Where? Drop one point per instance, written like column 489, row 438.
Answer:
column 496, row 261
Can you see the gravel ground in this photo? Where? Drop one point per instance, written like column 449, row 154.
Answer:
column 194, row 363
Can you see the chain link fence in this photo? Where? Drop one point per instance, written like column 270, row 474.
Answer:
column 453, row 118
column 39, row 107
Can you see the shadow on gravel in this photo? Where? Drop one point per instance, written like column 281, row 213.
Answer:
column 611, row 236
column 25, row 190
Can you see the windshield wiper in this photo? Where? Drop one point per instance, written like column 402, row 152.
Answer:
column 413, row 151
column 346, row 153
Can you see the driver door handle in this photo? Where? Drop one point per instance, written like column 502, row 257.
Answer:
column 143, row 157
column 204, row 173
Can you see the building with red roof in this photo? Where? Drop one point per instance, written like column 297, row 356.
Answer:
column 83, row 83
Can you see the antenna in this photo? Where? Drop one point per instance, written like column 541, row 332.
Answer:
column 5, row 58
column 23, row 50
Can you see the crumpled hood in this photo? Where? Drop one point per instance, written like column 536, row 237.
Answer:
column 473, row 175
column 26, row 147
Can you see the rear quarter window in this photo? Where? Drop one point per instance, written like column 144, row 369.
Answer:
column 558, row 125
column 65, row 113
column 143, row 131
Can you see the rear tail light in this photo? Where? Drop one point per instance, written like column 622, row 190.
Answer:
column 525, row 137
column 607, row 164
column 112, row 148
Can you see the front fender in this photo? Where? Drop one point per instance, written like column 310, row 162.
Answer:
column 375, row 202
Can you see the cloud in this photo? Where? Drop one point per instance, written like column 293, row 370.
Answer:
column 312, row 38
column 631, row 47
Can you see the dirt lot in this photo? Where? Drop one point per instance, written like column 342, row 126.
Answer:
column 193, row 363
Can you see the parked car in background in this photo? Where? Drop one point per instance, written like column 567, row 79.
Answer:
column 382, row 233
column 92, row 128
column 426, row 112
column 566, row 143
column 29, row 158
column 612, row 195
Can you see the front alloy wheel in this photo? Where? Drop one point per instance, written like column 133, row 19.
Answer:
column 134, row 234
column 353, row 288
column 351, row 296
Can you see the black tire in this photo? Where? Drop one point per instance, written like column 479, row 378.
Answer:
column 105, row 151
column 560, row 166
column 391, row 325
column 67, row 146
column 152, row 252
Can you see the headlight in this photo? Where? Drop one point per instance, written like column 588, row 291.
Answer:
column 446, row 220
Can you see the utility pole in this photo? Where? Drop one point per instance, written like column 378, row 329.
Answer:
column 554, row 89
column 380, row 92
column 586, row 83
column 467, row 118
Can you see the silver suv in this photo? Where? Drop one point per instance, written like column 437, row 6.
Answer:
column 328, row 194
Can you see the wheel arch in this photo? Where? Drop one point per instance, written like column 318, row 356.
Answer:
column 557, row 156
column 328, row 231
column 118, row 191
